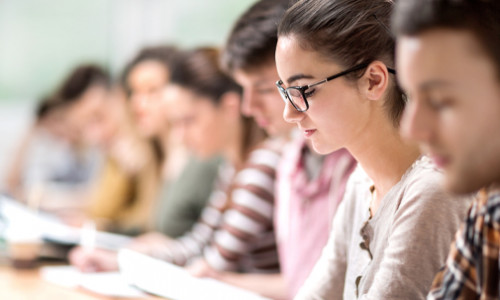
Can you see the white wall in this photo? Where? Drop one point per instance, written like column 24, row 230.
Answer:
column 15, row 118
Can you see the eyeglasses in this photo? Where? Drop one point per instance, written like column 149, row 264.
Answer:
column 297, row 94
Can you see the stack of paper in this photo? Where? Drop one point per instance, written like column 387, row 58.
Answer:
column 167, row 280
column 108, row 284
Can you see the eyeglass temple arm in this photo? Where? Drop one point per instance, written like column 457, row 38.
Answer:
column 390, row 70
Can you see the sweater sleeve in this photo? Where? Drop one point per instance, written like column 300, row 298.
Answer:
column 249, row 216
column 182, row 249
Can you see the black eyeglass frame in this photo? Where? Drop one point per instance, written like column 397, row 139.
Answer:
column 302, row 89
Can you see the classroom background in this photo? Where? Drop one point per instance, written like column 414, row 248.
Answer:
column 41, row 40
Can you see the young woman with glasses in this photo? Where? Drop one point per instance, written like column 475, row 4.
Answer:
column 394, row 227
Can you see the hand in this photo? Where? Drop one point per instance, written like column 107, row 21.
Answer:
column 200, row 268
column 97, row 260
column 149, row 243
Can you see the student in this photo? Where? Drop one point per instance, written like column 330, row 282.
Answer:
column 308, row 186
column 207, row 111
column 126, row 186
column 52, row 158
column 186, row 182
column 449, row 62
column 389, row 236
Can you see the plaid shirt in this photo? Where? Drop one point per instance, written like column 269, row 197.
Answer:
column 472, row 267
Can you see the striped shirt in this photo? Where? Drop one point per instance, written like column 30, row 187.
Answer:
column 473, row 265
column 245, row 240
column 235, row 231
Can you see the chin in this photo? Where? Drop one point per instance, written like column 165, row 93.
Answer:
column 322, row 148
column 461, row 185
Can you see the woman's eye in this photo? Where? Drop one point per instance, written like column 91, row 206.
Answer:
column 309, row 92
column 439, row 104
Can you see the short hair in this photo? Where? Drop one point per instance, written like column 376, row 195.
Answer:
column 348, row 32
column 80, row 80
column 481, row 17
column 252, row 40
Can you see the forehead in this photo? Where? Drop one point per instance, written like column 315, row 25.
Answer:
column 184, row 100
column 255, row 75
column 147, row 70
column 440, row 54
column 292, row 59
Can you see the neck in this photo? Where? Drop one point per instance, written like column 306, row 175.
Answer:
column 383, row 155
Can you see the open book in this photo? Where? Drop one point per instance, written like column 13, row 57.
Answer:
column 167, row 280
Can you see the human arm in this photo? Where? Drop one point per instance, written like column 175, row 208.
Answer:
column 247, row 223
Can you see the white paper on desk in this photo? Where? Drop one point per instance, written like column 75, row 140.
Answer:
column 107, row 284
column 170, row 281
column 21, row 221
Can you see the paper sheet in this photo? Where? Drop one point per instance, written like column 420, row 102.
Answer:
column 110, row 284
column 167, row 280
column 22, row 221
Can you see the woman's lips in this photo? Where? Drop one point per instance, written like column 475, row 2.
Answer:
column 309, row 132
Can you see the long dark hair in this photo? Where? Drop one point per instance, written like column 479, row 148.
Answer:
column 199, row 71
column 347, row 32
column 81, row 79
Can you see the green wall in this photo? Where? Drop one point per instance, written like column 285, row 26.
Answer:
column 40, row 40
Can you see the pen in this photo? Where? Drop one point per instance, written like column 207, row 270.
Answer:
column 88, row 236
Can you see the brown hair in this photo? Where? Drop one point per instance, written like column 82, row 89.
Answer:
column 46, row 106
column 162, row 54
column 199, row 71
column 253, row 38
column 81, row 79
column 348, row 32
column 481, row 17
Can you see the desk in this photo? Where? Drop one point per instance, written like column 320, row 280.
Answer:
column 28, row 285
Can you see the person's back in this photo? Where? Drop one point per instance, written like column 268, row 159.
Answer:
column 182, row 200
column 449, row 63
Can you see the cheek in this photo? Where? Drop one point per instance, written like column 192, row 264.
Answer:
column 335, row 120
column 209, row 134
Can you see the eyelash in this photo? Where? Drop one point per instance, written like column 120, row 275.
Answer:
column 309, row 93
column 439, row 104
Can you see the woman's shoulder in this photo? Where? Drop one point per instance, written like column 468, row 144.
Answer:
column 424, row 182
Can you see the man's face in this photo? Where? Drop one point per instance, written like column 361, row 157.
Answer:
column 261, row 99
column 454, row 106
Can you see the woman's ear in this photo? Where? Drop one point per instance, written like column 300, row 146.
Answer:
column 230, row 102
column 375, row 80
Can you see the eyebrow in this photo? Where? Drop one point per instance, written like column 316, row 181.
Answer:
column 263, row 82
column 435, row 83
column 297, row 77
